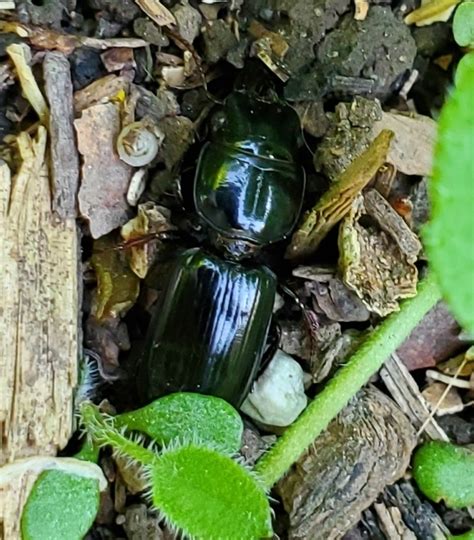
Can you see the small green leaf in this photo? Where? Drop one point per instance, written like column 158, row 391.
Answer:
column 463, row 24
column 61, row 506
column 208, row 495
column 444, row 471
column 188, row 417
column 450, row 235
column 466, row 536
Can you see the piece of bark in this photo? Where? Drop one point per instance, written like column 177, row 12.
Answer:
column 412, row 149
column 419, row 517
column 434, row 339
column 105, row 177
column 101, row 89
column 39, row 323
column 392, row 223
column 365, row 448
column 64, row 157
column 404, row 390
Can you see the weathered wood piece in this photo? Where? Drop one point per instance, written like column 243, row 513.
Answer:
column 402, row 515
column 365, row 448
column 64, row 157
column 39, row 323
column 404, row 390
column 39, row 313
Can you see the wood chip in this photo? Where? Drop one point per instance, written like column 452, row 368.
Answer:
column 45, row 38
column 7, row 5
column 157, row 12
column 404, row 390
column 337, row 201
column 361, row 10
column 39, row 327
column 393, row 224
column 412, row 149
column 64, row 156
column 101, row 90
column 365, row 448
column 105, row 177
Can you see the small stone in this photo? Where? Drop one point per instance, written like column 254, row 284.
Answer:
column 277, row 398
column 149, row 31
column 218, row 40
column 188, row 21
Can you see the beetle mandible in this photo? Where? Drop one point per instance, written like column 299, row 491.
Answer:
column 210, row 328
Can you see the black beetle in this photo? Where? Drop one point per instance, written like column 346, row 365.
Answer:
column 210, row 328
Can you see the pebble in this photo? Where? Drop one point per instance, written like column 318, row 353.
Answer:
column 277, row 397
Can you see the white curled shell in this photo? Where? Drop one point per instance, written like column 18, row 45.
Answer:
column 137, row 145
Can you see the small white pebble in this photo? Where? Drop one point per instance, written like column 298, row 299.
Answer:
column 277, row 397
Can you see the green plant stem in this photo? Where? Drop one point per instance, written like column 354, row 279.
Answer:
column 368, row 359
column 104, row 433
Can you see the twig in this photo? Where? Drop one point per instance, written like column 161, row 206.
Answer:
column 441, row 399
column 346, row 383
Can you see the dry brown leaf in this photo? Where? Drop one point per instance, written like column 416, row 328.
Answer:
column 118, row 58
column 151, row 220
column 372, row 264
column 432, row 11
column 337, row 201
column 412, row 148
column 105, row 177
column 117, row 287
column 157, row 12
column 451, row 366
column 451, row 404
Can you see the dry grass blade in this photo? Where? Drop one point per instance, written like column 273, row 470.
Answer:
column 20, row 55
column 336, row 202
column 430, row 12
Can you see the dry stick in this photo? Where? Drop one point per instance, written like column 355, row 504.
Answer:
column 346, row 383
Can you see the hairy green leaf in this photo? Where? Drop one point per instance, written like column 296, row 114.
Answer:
column 466, row 536
column 463, row 24
column 450, row 235
column 208, row 495
column 187, row 417
column 60, row 506
column 444, row 471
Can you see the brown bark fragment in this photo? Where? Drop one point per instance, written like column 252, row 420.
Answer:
column 64, row 157
column 365, row 448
